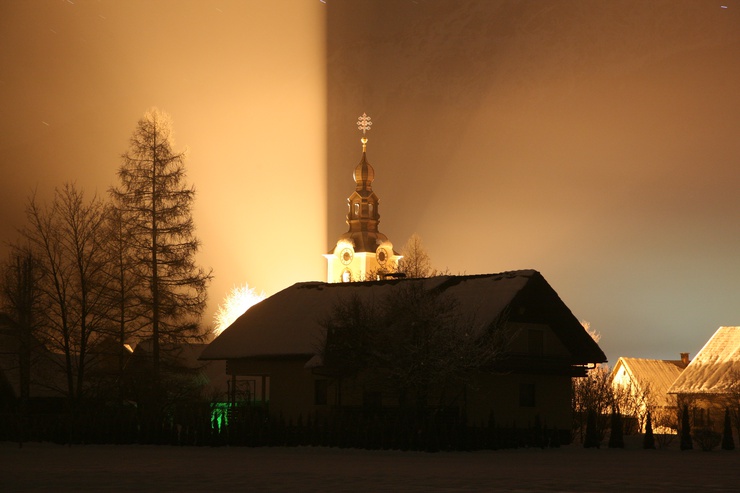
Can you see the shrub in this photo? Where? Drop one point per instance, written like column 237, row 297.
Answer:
column 616, row 437
column 728, row 442
column 648, row 441
column 592, row 434
column 686, row 443
column 707, row 438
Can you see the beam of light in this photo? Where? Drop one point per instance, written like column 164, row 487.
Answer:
column 236, row 303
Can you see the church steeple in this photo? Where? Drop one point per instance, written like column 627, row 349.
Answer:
column 364, row 173
column 363, row 216
column 362, row 241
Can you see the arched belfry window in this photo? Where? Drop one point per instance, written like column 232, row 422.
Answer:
column 357, row 209
column 370, row 209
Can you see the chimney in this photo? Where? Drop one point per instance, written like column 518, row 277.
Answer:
column 685, row 358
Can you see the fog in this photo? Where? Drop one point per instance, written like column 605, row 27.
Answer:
column 593, row 141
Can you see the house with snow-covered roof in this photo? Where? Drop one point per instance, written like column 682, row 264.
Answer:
column 277, row 348
column 644, row 384
column 711, row 382
column 29, row 372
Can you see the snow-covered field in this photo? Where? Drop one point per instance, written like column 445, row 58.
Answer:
column 46, row 467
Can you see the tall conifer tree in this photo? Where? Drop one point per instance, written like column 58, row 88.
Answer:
column 156, row 204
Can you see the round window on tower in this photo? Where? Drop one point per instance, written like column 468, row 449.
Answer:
column 345, row 256
column 381, row 255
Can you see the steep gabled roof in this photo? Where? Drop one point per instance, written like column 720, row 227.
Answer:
column 292, row 321
column 654, row 375
column 716, row 367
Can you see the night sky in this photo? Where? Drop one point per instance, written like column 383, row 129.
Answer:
column 597, row 142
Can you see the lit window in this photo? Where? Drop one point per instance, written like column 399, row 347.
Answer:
column 346, row 276
column 357, row 209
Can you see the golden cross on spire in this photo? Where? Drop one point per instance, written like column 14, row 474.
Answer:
column 364, row 123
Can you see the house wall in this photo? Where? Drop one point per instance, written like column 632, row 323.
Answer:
column 509, row 397
column 514, row 398
column 502, row 394
column 291, row 387
column 622, row 382
column 708, row 410
column 292, row 393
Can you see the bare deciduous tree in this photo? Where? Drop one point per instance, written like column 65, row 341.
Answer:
column 124, row 285
column 20, row 301
column 415, row 344
column 415, row 261
column 66, row 239
column 592, row 394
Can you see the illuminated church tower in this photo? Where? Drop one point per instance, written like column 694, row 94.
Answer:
column 362, row 253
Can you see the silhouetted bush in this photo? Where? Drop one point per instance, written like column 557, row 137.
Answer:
column 686, row 442
column 592, row 435
column 616, row 436
column 707, row 438
column 648, row 441
column 728, row 442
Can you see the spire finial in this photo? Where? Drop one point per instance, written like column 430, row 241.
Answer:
column 364, row 123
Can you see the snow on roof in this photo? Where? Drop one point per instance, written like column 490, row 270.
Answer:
column 657, row 375
column 292, row 321
column 715, row 368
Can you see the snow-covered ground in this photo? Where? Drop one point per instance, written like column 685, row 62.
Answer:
column 46, row 467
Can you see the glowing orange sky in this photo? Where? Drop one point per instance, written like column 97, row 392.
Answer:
column 244, row 82
column 596, row 142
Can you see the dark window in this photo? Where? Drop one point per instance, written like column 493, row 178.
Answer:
column 321, row 392
column 527, row 395
column 372, row 400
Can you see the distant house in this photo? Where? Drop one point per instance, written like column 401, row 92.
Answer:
column 711, row 382
column 208, row 378
column 645, row 383
column 274, row 350
column 34, row 378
